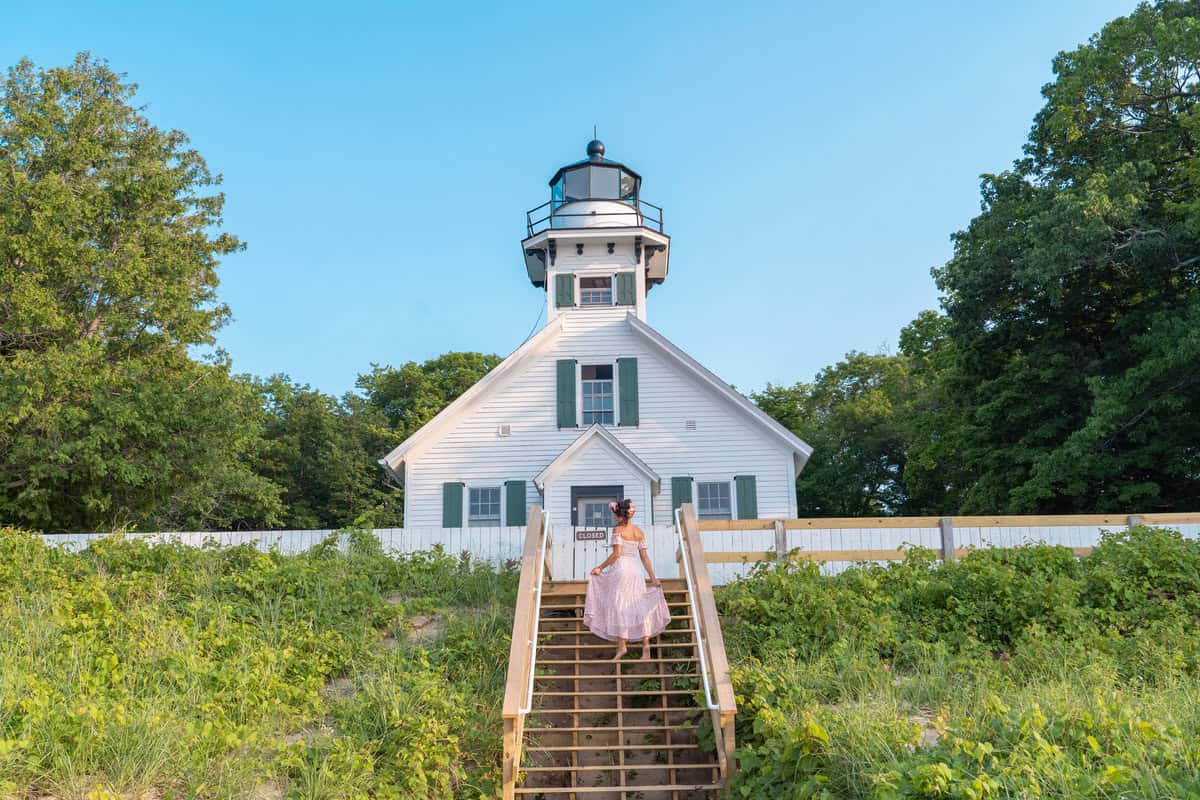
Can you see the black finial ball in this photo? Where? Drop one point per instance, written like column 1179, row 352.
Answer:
column 595, row 149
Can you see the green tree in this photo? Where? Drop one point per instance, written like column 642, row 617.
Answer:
column 410, row 396
column 322, row 452
column 850, row 415
column 109, row 243
column 1073, row 297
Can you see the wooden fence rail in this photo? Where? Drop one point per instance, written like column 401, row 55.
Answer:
column 844, row 540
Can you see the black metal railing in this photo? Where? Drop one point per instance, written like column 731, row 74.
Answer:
column 640, row 214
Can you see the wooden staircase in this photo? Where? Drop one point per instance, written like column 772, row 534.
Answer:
column 591, row 727
column 600, row 728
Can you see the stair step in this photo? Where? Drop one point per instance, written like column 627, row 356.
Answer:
column 664, row 728
column 610, row 646
column 623, row 693
column 542, row 662
column 591, row 712
column 612, row 748
column 579, row 620
column 551, row 588
column 624, row 677
column 579, row 606
column 662, row 787
column 626, row 768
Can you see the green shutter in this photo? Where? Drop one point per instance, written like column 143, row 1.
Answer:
column 452, row 505
column 514, row 497
column 626, row 289
column 747, row 496
column 627, row 386
column 564, row 290
column 681, row 492
column 566, row 393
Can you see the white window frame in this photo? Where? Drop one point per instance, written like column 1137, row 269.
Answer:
column 729, row 482
column 612, row 290
column 616, row 390
column 583, row 523
column 476, row 486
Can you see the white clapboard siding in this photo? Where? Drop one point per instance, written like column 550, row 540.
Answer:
column 723, row 444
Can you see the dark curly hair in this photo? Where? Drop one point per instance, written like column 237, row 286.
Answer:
column 620, row 509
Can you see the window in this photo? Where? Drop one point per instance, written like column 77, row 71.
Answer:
column 595, row 513
column 595, row 291
column 597, row 394
column 712, row 500
column 484, row 507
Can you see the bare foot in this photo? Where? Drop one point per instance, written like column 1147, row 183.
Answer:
column 621, row 651
column 645, row 654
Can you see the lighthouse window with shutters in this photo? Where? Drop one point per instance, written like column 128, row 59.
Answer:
column 597, row 397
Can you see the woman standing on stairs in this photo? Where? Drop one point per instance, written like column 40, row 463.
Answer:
column 619, row 606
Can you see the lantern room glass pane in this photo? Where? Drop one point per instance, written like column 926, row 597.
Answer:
column 576, row 184
column 605, row 183
column 628, row 188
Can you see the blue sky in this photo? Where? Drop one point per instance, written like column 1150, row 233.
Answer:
column 812, row 158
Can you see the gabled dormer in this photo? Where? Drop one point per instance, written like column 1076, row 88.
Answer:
column 596, row 246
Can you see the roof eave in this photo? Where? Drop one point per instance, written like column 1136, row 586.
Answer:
column 800, row 449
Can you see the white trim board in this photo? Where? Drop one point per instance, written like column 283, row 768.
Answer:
column 573, row 450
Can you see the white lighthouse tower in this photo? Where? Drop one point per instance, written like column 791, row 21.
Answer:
column 596, row 242
column 597, row 405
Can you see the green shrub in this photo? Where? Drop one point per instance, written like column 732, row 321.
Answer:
column 1008, row 673
column 211, row 672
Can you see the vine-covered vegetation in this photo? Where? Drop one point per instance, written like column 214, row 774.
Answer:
column 1011, row 673
column 135, row 671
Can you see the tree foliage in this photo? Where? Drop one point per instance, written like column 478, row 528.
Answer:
column 109, row 241
column 1073, row 296
column 1064, row 374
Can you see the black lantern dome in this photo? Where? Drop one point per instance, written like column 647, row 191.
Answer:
column 595, row 178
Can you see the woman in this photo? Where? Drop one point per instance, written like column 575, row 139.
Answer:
column 619, row 606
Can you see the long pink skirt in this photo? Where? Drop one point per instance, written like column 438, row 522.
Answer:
column 619, row 604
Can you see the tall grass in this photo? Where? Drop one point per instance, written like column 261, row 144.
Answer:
column 163, row 670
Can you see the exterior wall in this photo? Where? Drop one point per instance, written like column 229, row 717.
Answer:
column 596, row 263
column 596, row 465
column 724, row 444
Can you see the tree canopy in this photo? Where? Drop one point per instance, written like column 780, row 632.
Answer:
column 1063, row 374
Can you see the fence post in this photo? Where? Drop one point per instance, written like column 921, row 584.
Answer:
column 780, row 540
column 1132, row 521
column 947, row 526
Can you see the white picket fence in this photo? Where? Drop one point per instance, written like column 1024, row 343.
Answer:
column 572, row 555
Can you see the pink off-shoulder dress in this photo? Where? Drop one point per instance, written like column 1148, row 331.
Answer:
column 619, row 604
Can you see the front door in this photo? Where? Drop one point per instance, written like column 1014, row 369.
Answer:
column 591, row 525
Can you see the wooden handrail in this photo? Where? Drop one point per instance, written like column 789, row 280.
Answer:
column 712, row 640
column 1031, row 521
column 520, row 654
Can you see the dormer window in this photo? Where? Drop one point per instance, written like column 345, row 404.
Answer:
column 595, row 291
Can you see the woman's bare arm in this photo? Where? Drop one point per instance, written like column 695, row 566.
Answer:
column 616, row 553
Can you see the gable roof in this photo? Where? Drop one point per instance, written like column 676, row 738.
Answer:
column 581, row 443
column 393, row 462
column 801, row 450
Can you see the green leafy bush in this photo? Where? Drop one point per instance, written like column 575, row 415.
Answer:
column 228, row 672
column 1008, row 673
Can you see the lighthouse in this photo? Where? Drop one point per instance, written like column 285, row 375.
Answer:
column 596, row 241
column 597, row 405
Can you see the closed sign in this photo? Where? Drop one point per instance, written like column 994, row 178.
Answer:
column 590, row 536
